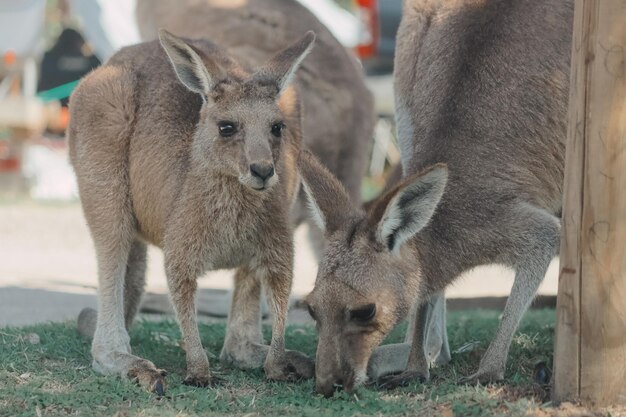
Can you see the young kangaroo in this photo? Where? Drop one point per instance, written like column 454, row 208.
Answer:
column 481, row 90
column 179, row 145
column 339, row 108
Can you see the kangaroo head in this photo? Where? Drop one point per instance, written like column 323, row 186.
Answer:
column 246, row 117
column 369, row 275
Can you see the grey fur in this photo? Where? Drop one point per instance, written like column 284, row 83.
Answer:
column 483, row 86
column 152, row 166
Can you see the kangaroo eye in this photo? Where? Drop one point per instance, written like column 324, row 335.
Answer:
column 363, row 313
column 226, row 129
column 277, row 129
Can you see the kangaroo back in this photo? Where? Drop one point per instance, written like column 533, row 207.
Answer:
column 483, row 86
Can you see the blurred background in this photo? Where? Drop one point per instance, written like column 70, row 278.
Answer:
column 47, row 264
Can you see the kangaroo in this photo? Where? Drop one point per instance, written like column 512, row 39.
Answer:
column 481, row 100
column 178, row 144
column 339, row 108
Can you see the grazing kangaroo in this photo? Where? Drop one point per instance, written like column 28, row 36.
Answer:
column 339, row 108
column 180, row 145
column 481, row 99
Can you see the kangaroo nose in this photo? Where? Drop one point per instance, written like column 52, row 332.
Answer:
column 262, row 171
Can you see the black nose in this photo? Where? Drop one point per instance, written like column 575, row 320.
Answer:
column 262, row 171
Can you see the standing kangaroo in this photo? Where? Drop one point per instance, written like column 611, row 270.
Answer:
column 180, row 145
column 481, row 99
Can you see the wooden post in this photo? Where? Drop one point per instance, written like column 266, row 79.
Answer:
column 590, row 348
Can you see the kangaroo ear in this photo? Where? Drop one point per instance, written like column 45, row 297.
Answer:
column 329, row 203
column 188, row 65
column 405, row 210
column 281, row 68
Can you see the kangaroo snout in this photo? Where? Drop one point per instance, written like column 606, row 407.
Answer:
column 328, row 370
column 328, row 385
column 262, row 170
column 326, row 389
column 334, row 372
column 261, row 176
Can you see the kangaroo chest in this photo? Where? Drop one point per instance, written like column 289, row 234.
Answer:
column 231, row 237
column 217, row 228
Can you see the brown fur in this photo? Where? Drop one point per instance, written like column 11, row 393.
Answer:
column 152, row 166
column 482, row 87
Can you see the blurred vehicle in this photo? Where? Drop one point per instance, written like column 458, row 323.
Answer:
column 379, row 21
column 378, row 24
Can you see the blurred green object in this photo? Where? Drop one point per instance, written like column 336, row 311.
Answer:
column 371, row 188
column 57, row 93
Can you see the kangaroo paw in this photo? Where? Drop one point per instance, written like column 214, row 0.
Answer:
column 292, row 366
column 149, row 377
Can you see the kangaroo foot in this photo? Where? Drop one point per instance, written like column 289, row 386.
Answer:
column 292, row 366
column 148, row 376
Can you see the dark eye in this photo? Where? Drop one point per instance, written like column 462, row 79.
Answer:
column 226, row 129
column 277, row 129
column 363, row 313
column 311, row 312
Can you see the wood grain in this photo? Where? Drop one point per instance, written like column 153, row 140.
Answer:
column 590, row 349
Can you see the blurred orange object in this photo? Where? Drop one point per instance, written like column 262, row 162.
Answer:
column 57, row 117
column 9, row 58
column 64, row 118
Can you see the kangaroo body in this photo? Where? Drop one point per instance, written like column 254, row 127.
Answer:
column 481, row 100
column 179, row 145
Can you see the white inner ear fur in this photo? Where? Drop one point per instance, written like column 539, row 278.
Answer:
column 314, row 209
column 189, row 69
column 287, row 78
column 411, row 209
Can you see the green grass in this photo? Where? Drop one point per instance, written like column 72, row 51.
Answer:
column 53, row 377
